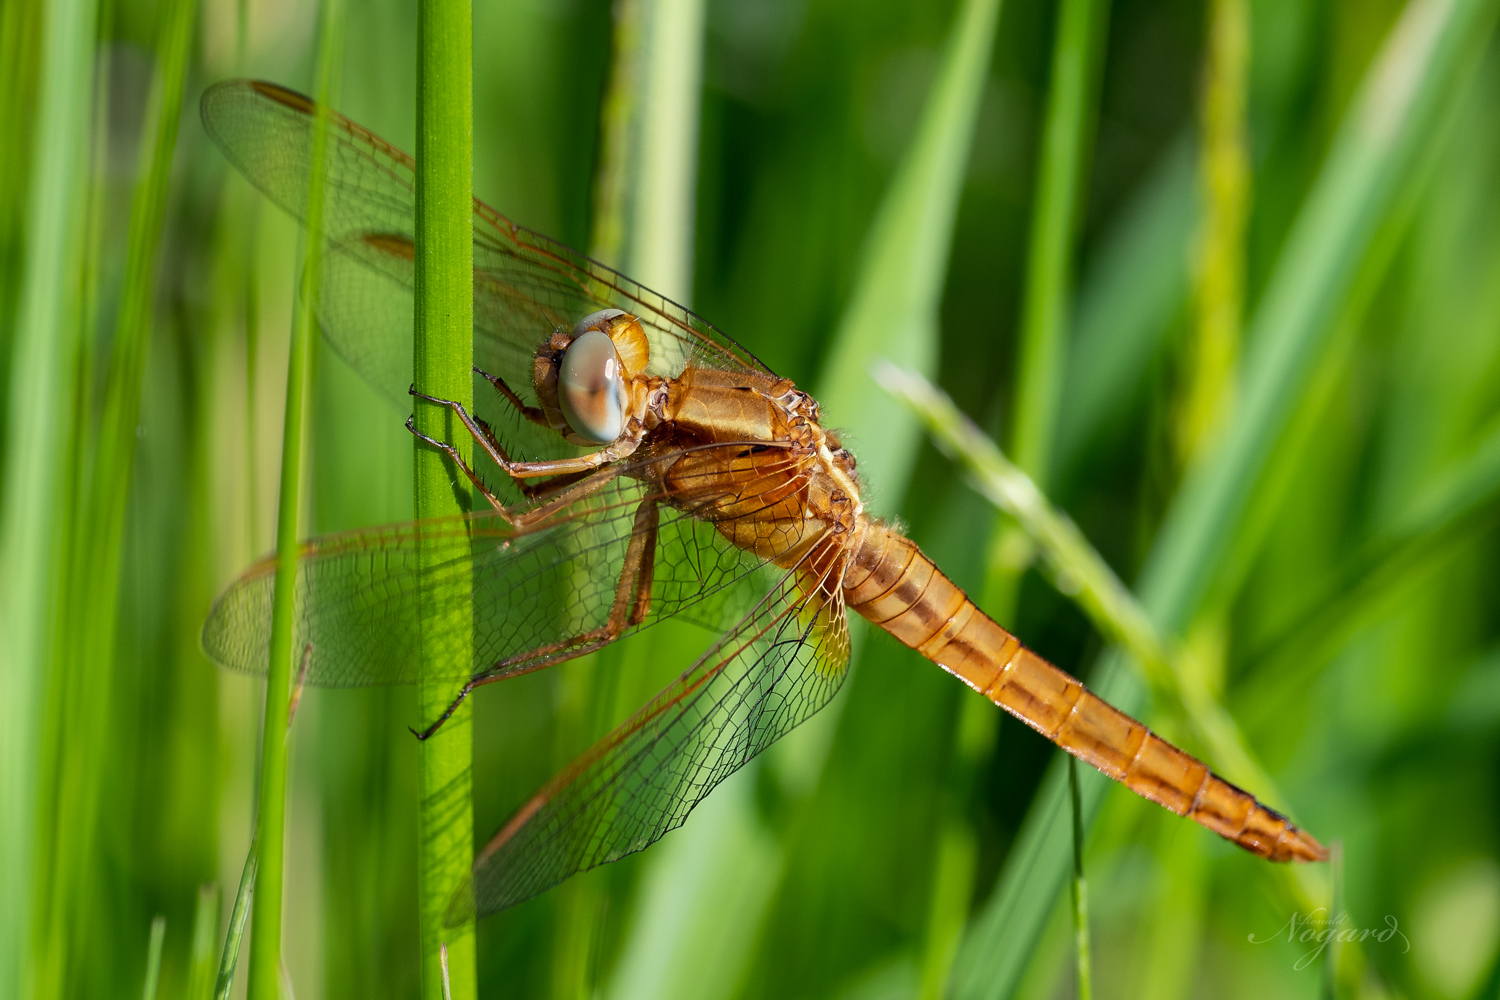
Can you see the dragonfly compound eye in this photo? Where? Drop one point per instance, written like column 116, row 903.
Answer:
column 592, row 388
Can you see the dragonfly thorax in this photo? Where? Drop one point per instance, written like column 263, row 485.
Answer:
column 750, row 456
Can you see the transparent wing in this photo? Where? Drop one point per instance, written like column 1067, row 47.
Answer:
column 360, row 594
column 782, row 663
column 525, row 285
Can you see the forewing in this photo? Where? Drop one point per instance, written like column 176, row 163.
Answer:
column 360, row 594
column 783, row 662
column 525, row 286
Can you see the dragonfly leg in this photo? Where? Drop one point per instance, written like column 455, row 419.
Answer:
column 647, row 520
column 544, row 492
column 480, row 432
column 291, row 711
column 458, row 460
column 521, row 471
column 485, row 435
column 631, row 604
column 447, row 712
column 532, row 413
column 523, row 518
column 576, row 491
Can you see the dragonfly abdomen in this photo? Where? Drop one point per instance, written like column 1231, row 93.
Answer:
column 890, row 582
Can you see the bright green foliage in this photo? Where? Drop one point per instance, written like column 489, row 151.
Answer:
column 1324, row 566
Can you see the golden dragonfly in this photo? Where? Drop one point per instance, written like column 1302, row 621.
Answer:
column 644, row 466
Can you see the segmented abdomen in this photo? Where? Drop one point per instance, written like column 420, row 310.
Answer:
column 890, row 582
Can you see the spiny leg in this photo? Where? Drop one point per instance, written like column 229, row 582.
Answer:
column 569, row 493
column 557, row 484
column 532, row 413
column 566, row 498
column 534, row 470
column 563, row 474
column 631, row 605
column 458, row 460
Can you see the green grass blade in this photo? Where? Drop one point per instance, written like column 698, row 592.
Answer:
column 952, row 883
column 663, row 186
column 1083, row 966
column 1224, row 178
column 1429, row 54
column 443, row 363
column 1072, row 97
column 249, row 204
column 234, row 934
column 1066, row 144
column 20, row 31
column 609, row 235
column 200, row 982
column 893, row 310
column 153, row 957
column 37, row 431
column 265, row 932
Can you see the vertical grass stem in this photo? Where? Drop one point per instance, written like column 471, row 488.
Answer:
column 1049, row 264
column 265, row 929
column 234, row 933
column 1224, row 180
column 153, row 957
column 200, row 982
column 660, row 244
column 442, row 367
column 1080, row 891
column 38, row 427
column 610, row 233
column 1066, row 141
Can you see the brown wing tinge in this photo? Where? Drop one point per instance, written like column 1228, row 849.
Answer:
column 891, row 583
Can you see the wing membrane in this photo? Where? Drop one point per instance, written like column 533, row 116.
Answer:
column 360, row 594
column 525, row 285
column 782, row 663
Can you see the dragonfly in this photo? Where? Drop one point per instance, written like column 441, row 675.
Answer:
column 638, row 464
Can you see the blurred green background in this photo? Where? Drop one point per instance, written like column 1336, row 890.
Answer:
column 1274, row 284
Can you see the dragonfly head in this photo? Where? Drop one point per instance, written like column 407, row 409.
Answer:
column 584, row 377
